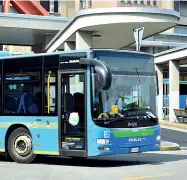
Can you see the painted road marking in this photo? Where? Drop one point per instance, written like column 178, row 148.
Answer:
column 148, row 177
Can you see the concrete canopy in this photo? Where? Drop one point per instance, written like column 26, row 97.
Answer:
column 178, row 54
column 21, row 29
column 115, row 26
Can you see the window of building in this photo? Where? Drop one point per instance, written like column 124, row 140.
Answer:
column 135, row 1
column 82, row 4
column 51, row 6
column 90, row 3
column 148, row 2
column 126, row 1
column 181, row 30
column 177, row 6
column 154, row 3
column 142, row 2
column 182, row 8
column 45, row 5
column 56, row 6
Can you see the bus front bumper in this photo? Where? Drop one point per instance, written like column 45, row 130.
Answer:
column 111, row 150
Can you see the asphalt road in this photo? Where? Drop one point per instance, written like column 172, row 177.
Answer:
column 174, row 135
column 153, row 166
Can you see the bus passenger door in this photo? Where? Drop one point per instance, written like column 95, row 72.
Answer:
column 71, row 113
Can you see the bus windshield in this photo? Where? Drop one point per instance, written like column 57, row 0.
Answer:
column 130, row 101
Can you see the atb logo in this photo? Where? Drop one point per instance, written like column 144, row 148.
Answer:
column 132, row 124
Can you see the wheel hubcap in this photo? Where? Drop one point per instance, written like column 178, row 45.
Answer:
column 23, row 145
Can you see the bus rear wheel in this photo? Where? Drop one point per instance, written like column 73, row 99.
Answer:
column 20, row 146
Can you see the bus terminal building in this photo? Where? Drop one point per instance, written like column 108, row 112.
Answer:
column 171, row 66
column 103, row 28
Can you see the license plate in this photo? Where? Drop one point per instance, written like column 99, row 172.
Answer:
column 134, row 150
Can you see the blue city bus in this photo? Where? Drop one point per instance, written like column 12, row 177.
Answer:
column 78, row 104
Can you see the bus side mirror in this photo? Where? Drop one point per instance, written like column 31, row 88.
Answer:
column 105, row 75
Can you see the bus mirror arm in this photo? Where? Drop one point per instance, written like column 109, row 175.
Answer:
column 101, row 69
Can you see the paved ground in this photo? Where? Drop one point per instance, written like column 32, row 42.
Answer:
column 175, row 135
column 153, row 166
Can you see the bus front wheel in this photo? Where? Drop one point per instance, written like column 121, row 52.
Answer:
column 20, row 146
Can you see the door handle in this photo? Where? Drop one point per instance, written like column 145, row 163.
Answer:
column 65, row 116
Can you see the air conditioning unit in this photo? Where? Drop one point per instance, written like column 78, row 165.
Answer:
column 51, row 6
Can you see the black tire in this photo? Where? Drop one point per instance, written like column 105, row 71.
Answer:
column 22, row 136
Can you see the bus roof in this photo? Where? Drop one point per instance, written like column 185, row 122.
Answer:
column 124, row 50
column 40, row 54
column 7, row 56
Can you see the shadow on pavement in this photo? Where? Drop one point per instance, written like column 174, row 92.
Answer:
column 89, row 162
column 110, row 161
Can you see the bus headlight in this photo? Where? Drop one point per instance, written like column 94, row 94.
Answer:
column 158, row 138
column 102, row 141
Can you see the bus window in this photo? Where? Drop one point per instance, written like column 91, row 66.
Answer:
column 50, row 94
column 19, row 93
column 131, row 94
column 73, row 95
column 73, row 106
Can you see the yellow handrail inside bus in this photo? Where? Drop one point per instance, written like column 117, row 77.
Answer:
column 48, row 92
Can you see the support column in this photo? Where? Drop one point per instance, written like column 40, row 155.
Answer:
column 173, row 89
column 159, row 99
column 37, row 48
column 69, row 45
column 47, row 38
column 83, row 40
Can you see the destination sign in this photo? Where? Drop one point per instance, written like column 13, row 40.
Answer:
column 70, row 61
